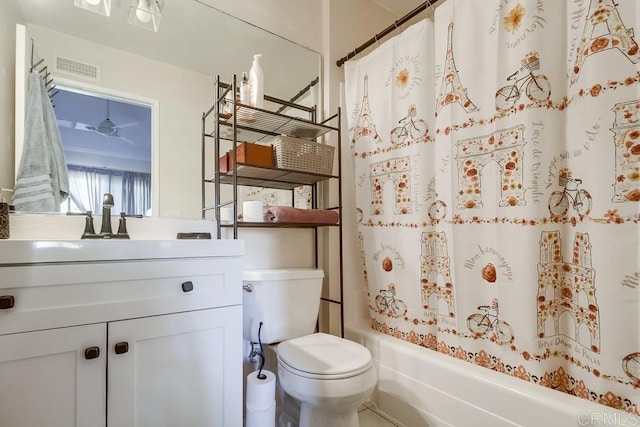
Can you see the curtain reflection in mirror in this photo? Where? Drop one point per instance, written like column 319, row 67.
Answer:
column 131, row 190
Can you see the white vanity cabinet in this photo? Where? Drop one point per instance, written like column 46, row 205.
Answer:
column 45, row 379
column 96, row 333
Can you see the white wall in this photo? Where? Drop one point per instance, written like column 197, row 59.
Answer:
column 9, row 15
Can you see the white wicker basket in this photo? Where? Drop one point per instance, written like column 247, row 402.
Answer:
column 302, row 155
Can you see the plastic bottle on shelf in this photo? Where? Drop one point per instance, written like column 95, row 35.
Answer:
column 245, row 98
column 245, row 91
column 256, row 82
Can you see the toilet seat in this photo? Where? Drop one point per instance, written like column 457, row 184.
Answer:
column 324, row 356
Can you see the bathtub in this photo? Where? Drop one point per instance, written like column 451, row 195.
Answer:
column 420, row 387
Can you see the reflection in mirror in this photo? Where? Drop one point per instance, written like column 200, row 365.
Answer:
column 175, row 68
column 107, row 145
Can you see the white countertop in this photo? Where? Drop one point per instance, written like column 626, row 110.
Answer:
column 44, row 251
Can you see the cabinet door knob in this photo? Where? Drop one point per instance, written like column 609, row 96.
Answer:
column 92, row 353
column 187, row 286
column 7, row 301
column 122, row 347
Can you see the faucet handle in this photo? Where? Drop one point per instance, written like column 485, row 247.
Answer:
column 88, row 232
column 122, row 227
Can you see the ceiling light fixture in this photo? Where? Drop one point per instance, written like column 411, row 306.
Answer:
column 103, row 7
column 146, row 13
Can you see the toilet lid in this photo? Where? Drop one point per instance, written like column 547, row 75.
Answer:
column 324, row 355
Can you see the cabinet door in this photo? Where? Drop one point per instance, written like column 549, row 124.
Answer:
column 45, row 379
column 181, row 369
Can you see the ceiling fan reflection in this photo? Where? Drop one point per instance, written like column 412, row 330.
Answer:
column 105, row 128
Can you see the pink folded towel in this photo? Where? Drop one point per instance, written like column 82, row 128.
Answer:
column 303, row 216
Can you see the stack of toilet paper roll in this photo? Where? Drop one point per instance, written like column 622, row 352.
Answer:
column 226, row 215
column 252, row 211
column 261, row 400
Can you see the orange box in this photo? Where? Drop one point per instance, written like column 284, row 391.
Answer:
column 252, row 155
column 223, row 163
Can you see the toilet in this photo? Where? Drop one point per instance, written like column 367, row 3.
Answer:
column 327, row 377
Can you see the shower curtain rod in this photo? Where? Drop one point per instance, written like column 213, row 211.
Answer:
column 422, row 7
column 299, row 95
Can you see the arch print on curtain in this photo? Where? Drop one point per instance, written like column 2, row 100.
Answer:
column 496, row 150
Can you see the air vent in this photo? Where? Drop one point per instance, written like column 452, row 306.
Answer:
column 71, row 67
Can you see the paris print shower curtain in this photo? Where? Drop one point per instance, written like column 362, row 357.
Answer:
column 496, row 148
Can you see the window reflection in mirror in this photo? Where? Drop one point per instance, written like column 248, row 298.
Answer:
column 107, row 146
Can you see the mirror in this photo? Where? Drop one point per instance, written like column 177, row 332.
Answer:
column 173, row 69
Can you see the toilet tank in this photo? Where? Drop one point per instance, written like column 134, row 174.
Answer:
column 286, row 301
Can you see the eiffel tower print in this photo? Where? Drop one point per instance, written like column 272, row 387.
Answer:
column 604, row 13
column 451, row 89
column 436, row 273
column 364, row 125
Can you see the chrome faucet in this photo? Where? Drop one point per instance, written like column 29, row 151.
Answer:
column 107, row 204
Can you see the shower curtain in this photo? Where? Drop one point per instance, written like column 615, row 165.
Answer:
column 496, row 153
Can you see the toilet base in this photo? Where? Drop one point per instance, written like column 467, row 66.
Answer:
column 314, row 417
column 295, row 414
column 286, row 421
column 290, row 411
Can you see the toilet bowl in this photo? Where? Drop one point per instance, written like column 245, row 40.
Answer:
column 328, row 377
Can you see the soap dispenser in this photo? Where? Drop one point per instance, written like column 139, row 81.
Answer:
column 256, row 82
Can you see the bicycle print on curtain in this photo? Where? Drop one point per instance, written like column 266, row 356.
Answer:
column 496, row 148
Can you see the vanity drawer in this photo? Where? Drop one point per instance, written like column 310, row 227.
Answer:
column 66, row 294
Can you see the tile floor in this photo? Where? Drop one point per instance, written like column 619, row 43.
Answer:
column 369, row 416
